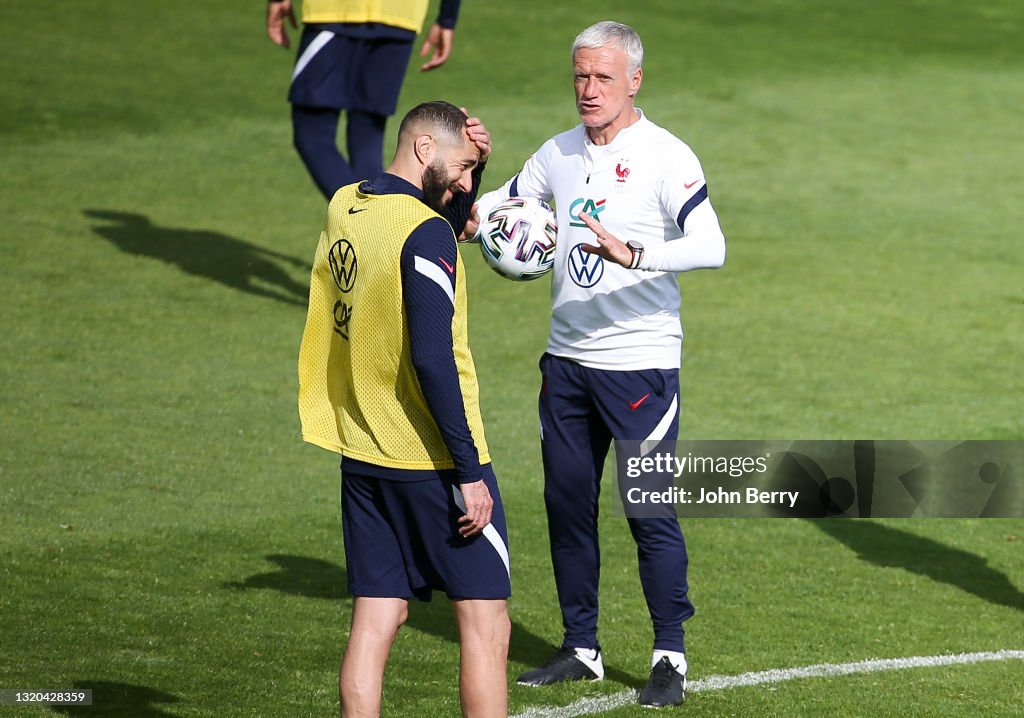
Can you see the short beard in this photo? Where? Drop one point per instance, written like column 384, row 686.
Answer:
column 435, row 182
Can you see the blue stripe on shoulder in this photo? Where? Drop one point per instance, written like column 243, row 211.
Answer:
column 698, row 197
column 514, row 190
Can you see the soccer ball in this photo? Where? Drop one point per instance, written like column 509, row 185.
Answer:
column 517, row 238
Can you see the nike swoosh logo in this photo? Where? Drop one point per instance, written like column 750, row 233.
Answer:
column 447, row 266
column 595, row 664
column 634, row 405
column 687, row 186
column 353, row 210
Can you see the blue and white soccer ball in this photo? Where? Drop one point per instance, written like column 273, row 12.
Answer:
column 517, row 238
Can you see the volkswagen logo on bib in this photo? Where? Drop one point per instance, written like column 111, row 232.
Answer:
column 342, row 260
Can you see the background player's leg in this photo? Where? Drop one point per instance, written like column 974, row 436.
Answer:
column 484, row 630
column 574, row 443
column 314, row 133
column 377, row 69
column 375, row 623
column 364, row 133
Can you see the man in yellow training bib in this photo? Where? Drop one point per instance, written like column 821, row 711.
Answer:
column 387, row 380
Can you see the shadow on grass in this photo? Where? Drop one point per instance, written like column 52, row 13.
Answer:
column 212, row 255
column 889, row 547
column 316, row 578
column 123, row 700
column 299, row 576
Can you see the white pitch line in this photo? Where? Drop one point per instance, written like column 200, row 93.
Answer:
column 601, row 704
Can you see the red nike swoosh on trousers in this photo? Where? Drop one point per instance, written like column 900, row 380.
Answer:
column 634, row 405
column 447, row 266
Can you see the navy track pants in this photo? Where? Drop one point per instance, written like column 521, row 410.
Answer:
column 581, row 411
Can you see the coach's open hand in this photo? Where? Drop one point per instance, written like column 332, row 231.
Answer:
column 609, row 246
column 478, row 508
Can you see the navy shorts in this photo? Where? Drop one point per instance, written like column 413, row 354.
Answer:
column 402, row 540
column 349, row 73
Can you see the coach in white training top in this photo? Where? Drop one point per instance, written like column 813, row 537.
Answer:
column 633, row 209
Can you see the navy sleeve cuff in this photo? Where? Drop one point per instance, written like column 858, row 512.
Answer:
column 448, row 15
column 460, row 208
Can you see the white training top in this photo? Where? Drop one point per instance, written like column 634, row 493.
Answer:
column 646, row 185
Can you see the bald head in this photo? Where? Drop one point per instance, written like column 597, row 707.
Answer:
column 435, row 152
column 442, row 120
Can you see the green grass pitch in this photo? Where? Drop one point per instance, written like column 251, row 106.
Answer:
column 167, row 540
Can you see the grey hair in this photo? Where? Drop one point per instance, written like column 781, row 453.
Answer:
column 613, row 34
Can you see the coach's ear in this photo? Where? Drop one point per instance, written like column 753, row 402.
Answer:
column 425, row 146
column 634, row 82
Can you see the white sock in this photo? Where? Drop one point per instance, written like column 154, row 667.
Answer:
column 677, row 659
column 591, row 658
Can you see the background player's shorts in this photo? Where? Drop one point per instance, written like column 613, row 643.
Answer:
column 349, row 73
column 402, row 540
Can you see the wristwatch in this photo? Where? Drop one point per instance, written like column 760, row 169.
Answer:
column 637, row 251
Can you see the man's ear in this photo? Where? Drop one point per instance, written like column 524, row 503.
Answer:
column 424, row 146
column 634, row 82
